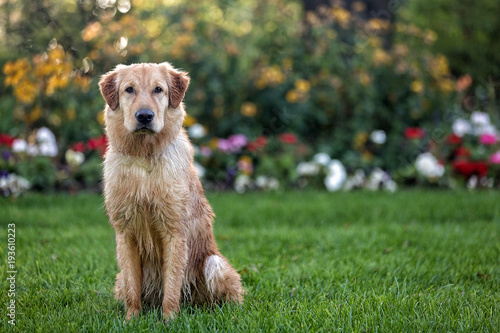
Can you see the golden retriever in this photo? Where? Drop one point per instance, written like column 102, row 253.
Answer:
column 165, row 245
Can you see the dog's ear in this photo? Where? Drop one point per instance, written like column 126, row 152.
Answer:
column 109, row 89
column 177, row 84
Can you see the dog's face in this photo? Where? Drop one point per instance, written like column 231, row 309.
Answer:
column 144, row 99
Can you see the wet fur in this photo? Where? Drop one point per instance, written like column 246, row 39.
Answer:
column 165, row 246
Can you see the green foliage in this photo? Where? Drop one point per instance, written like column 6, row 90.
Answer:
column 467, row 33
column 39, row 171
column 360, row 261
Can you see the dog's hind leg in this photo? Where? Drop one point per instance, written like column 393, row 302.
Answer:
column 222, row 281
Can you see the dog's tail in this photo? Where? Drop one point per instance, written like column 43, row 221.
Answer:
column 222, row 281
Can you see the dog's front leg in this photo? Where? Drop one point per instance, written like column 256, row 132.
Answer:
column 174, row 265
column 131, row 271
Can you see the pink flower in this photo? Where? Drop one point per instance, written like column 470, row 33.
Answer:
column 495, row 158
column 488, row 139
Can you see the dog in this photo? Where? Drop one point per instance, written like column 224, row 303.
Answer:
column 165, row 247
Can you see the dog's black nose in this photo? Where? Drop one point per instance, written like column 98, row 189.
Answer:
column 144, row 116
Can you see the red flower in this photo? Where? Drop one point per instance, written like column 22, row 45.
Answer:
column 6, row 139
column 454, row 139
column 288, row 138
column 463, row 152
column 78, row 146
column 469, row 168
column 99, row 143
column 260, row 142
column 414, row 133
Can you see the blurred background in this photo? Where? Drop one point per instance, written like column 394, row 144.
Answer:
column 284, row 94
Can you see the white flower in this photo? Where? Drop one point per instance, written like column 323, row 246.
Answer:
column 479, row 118
column 308, row 169
column 390, row 185
column 19, row 146
column 472, row 183
column 197, row 131
column 322, row 159
column 378, row 136
column 200, row 170
column 273, row 183
column 13, row 185
column 47, row 142
column 336, row 176
column 428, row 166
column 242, row 183
column 481, row 123
column 267, row 183
column 461, row 127
column 376, row 179
column 32, row 150
column 355, row 181
column 74, row 158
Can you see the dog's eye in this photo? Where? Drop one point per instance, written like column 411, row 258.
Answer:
column 129, row 90
column 158, row 90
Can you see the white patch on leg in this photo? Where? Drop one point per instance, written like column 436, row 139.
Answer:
column 214, row 271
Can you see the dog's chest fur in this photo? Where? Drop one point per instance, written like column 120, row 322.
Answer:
column 151, row 191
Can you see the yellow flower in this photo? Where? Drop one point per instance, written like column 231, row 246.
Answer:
column 100, row 118
column 341, row 16
column 245, row 165
column 416, row 86
column 364, row 78
column 358, row 6
column 71, row 114
column 189, row 121
column 376, row 24
column 25, row 92
column 380, row 57
column 292, row 96
column 446, row 85
column 430, row 37
column 35, row 114
column 360, row 140
column 248, row 109
column 302, row 85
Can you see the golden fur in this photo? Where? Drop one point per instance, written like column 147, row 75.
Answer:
column 165, row 246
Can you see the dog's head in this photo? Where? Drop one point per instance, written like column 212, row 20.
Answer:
column 144, row 99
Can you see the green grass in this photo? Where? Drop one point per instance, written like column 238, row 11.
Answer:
column 344, row 262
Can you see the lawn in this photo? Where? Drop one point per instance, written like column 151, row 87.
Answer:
column 344, row 262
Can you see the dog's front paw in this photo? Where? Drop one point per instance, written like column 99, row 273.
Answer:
column 169, row 311
column 132, row 313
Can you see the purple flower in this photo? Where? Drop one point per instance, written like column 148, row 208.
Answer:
column 6, row 154
column 232, row 144
column 238, row 141
column 224, row 145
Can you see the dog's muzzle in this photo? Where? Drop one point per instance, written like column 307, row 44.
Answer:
column 145, row 118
